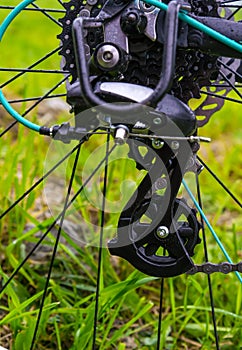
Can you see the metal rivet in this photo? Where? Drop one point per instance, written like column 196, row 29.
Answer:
column 157, row 121
column 175, row 145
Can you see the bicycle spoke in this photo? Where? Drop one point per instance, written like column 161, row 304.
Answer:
column 231, row 4
column 44, row 96
column 72, row 200
column 42, row 59
column 233, row 13
column 225, row 98
column 31, row 99
column 221, row 3
column 205, row 248
column 100, row 251
column 231, row 85
column 220, row 182
column 22, row 70
column 45, row 13
column 33, row 9
column 230, row 69
column 226, row 86
column 6, row 130
column 38, row 182
column 160, row 314
column 55, row 247
column 38, row 101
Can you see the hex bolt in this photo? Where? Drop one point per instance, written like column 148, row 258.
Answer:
column 107, row 56
column 162, row 232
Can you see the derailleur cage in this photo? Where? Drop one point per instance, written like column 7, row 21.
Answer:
column 157, row 232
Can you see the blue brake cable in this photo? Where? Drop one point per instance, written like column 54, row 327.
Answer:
column 182, row 16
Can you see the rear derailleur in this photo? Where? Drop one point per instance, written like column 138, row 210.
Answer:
column 157, row 232
column 107, row 46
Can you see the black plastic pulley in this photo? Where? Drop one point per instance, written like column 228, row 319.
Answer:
column 155, row 249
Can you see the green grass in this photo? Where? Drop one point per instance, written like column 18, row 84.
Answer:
column 129, row 300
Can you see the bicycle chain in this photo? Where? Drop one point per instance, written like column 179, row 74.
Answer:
column 209, row 268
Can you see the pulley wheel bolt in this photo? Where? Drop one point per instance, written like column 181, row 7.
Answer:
column 162, row 232
column 107, row 56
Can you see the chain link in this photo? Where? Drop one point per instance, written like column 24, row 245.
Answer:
column 209, row 268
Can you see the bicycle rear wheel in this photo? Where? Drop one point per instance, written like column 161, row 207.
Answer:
column 81, row 296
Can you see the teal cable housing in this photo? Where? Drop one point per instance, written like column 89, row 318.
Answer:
column 210, row 228
column 3, row 100
column 200, row 26
column 16, row 115
column 12, row 15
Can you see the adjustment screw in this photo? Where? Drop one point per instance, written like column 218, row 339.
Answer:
column 162, row 232
column 175, row 145
column 121, row 134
